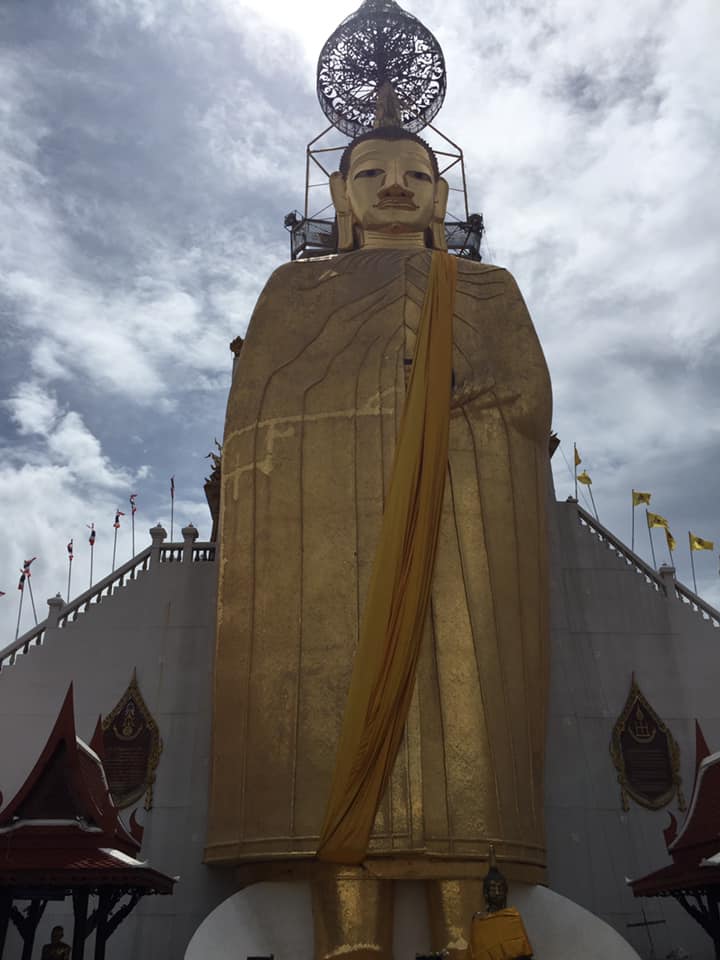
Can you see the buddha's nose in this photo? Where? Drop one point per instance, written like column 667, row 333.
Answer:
column 396, row 189
column 395, row 183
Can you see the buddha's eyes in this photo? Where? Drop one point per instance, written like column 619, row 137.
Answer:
column 378, row 172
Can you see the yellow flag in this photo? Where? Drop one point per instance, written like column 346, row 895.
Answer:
column 670, row 539
column 584, row 477
column 655, row 520
column 697, row 543
column 578, row 461
column 639, row 498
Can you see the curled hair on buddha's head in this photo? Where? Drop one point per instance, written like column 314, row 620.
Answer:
column 387, row 133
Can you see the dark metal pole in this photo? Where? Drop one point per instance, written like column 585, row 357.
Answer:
column 34, row 914
column 5, row 907
column 80, row 905
column 714, row 918
column 101, row 929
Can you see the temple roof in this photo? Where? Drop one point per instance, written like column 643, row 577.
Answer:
column 676, row 878
column 62, row 827
column 75, row 868
column 695, row 848
column 701, row 828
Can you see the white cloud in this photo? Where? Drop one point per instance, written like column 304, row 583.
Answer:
column 149, row 148
column 65, row 439
column 33, row 409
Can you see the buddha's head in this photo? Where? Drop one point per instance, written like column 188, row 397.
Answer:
column 495, row 889
column 389, row 190
column 57, row 934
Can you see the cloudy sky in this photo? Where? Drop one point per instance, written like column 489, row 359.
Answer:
column 149, row 150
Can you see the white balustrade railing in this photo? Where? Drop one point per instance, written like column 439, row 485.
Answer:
column 62, row 614
column 656, row 580
column 651, row 576
column 698, row 605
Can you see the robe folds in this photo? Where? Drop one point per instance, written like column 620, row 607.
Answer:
column 310, row 434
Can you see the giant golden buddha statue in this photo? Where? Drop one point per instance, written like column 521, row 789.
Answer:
column 381, row 662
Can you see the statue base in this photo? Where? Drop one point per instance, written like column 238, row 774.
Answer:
column 276, row 918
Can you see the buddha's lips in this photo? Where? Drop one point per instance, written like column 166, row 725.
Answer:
column 397, row 204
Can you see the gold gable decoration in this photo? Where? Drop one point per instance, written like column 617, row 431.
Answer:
column 132, row 745
column 646, row 755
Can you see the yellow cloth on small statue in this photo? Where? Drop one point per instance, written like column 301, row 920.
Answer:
column 383, row 676
column 499, row 936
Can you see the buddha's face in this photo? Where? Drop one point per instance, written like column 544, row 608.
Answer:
column 391, row 186
column 496, row 894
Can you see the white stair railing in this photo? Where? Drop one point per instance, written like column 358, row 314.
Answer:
column 663, row 584
column 617, row 546
column 63, row 614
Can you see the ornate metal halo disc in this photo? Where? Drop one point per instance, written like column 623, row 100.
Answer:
column 380, row 42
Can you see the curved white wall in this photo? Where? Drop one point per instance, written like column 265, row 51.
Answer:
column 276, row 918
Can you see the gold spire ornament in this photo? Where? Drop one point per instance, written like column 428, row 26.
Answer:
column 388, row 111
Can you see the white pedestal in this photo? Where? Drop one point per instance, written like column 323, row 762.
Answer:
column 276, row 918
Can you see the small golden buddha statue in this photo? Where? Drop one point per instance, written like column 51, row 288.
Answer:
column 498, row 932
column 56, row 949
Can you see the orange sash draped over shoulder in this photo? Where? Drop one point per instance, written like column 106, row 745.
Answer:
column 383, row 675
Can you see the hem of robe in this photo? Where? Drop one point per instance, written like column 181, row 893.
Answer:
column 400, row 865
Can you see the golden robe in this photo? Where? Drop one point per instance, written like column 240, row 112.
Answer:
column 310, row 432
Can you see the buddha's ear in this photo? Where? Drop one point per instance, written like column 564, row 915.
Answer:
column 442, row 191
column 338, row 192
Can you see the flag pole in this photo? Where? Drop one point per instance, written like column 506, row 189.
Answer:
column 632, row 503
column 70, row 560
column 92, row 553
column 17, row 628
column 592, row 500
column 172, row 506
column 575, row 463
column 114, row 547
column 692, row 561
column 652, row 548
column 132, row 523
column 32, row 600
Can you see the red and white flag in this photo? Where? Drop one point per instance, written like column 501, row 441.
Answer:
column 70, row 550
column 26, row 565
column 91, row 538
column 133, row 498
column 118, row 514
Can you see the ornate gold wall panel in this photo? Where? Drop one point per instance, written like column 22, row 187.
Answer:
column 132, row 746
column 646, row 755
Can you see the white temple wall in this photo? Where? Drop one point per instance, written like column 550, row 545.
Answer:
column 608, row 622
column 163, row 625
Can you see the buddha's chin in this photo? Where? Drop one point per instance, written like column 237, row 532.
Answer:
column 396, row 228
